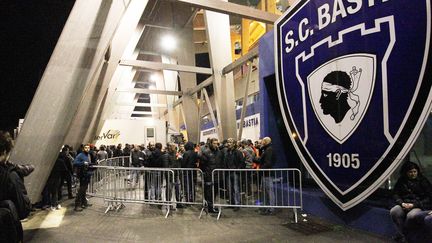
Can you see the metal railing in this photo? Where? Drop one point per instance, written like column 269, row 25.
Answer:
column 175, row 187
column 267, row 189
column 189, row 187
column 97, row 181
column 152, row 186
column 98, row 178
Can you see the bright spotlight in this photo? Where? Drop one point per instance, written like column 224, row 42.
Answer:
column 168, row 42
column 153, row 78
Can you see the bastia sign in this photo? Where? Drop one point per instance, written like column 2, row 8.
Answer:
column 354, row 88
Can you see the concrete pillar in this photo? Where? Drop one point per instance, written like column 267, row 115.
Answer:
column 77, row 56
column 186, row 56
column 218, row 35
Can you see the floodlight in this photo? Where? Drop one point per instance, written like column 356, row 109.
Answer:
column 168, row 43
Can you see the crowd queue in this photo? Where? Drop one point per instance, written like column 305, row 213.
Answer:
column 206, row 156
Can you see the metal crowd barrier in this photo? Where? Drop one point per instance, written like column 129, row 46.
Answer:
column 189, row 187
column 98, row 178
column 138, row 185
column 264, row 188
column 175, row 187
column 97, row 181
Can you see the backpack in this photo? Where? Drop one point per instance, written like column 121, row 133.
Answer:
column 13, row 189
column 10, row 226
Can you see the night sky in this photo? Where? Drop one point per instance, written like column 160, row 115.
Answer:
column 29, row 31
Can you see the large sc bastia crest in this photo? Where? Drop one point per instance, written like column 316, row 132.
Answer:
column 354, row 87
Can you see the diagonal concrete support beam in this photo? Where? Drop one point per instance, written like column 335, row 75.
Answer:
column 78, row 55
column 123, row 46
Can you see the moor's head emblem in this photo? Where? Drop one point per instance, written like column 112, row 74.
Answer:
column 340, row 92
column 337, row 94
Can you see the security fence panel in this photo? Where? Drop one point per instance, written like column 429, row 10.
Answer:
column 267, row 189
column 121, row 185
column 97, row 181
column 189, row 187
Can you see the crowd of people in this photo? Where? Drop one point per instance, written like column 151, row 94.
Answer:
column 76, row 166
column 206, row 156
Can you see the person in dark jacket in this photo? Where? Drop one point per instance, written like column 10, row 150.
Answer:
column 66, row 172
column 83, row 162
column 211, row 158
column 155, row 160
column 14, row 202
column 118, row 152
column 148, row 153
column 54, row 179
column 169, row 160
column 233, row 159
column 137, row 158
column 189, row 160
column 412, row 193
column 126, row 153
column 266, row 161
column 72, row 152
column 112, row 148
column 153, row 178
column 93, row 154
